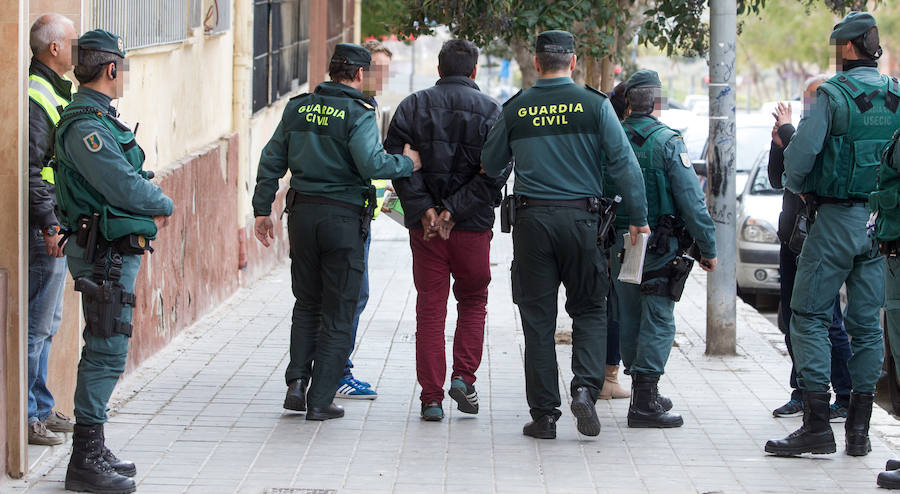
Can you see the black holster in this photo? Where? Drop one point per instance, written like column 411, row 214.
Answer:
column 802, row 223
column 507, row 212
column 104, row 298
column 675, row 272
column 606, row 232
column 370, row 197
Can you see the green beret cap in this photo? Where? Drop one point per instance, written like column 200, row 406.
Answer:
column 351, row 54
column 643, row 78
column 100, row 40
column 555, row 42
column 853, row 26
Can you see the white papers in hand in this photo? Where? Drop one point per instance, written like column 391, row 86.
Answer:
column 633, row 264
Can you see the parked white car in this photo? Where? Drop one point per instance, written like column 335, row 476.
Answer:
column 758, row 207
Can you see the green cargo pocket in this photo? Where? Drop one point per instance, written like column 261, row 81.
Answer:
column 887, row 225
column 116, row 223
column 866, row 159
column 806, row 288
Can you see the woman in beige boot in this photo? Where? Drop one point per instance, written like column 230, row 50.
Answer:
column 611, row 387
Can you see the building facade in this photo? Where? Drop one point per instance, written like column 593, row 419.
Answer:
column 206, row 84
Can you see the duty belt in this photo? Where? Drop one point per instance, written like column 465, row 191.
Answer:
column 589, row 204
column 843, row 202
column 299, row 198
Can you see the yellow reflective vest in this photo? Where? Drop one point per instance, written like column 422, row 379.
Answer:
column 41, row 92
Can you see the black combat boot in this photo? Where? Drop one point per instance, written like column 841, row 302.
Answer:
column 88, row 471
column 586, row 412
column 815, row 435
column 332, row 411
column 645, row 410
column 890, row 479
column 856, row 429
column 121, row 467
column 541, row 427
column 296, row 396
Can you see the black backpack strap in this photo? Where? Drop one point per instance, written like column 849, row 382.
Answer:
column 863, row 101
column 892, row 96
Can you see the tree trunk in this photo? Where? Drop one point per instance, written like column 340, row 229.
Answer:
column 525, row 59
column 607, row 74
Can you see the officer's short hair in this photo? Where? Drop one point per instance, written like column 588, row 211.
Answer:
column 553, row 62
column 91, row 63
column 47, row 29
column 457, row 57
column 867, row 45
column 342, row 72
column 642, row 99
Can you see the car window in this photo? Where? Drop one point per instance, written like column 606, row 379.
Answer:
column 761, row 185
column 750, row 141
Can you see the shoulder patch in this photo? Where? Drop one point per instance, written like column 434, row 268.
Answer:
column 512, row 97
column 365, row 105
column 93, row 142
column 593, row 90
column 685, row 160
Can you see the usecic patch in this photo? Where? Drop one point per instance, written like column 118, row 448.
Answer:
column 685, row 160
column 93, row 142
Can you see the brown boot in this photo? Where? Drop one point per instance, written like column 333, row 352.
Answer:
column 611, row 387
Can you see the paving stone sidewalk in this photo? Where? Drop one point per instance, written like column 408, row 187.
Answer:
column 204, row 415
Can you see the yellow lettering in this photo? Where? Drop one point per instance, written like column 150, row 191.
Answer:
column 564, row 120
column 536, row 121
column 578, row 108
column 532, row 110
column 543, row 110
column 339, row 114
column 310, row 117
column 317, row 108
column 522, row 112
column 553, row 109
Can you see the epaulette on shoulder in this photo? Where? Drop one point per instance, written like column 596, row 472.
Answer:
column 365, row 105
column 299, row 96
column 512, row 98
column 593, row 90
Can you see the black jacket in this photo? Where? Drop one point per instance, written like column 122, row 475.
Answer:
column 41, row 194
column 447, row 124
column 791, row 204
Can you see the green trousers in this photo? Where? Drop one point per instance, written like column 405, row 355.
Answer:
column 327, row 266
column 102, row 359
column 838, row 251
column 892, row 308
column 553, row 245
column 646, row 322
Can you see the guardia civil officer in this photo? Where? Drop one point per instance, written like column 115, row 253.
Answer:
column 832, row 160
column 329, row 141
column 676, row 212
column 557, row 132
column 883, row 203
column 105, row 197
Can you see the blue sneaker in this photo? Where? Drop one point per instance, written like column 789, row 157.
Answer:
column 352, row 389
column 793, row 408
column 464, row 395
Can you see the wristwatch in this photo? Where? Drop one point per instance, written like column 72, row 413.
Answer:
column 51, row 230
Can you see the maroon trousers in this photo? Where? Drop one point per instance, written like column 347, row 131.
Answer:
column 465, row 256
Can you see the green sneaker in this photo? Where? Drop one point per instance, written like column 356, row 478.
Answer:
column 464, row 395
column 432, row 411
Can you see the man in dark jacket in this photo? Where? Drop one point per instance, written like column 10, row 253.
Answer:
column 792, row 205
column 48, row 92
column 449, row 210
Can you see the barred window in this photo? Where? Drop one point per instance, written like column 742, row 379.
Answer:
column 143, row 23
column 280, row 49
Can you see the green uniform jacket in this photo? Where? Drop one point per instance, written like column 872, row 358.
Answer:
column 676, row 186
column 826, row 116
column 100, row 170
column 329, row 140
column 559, row 133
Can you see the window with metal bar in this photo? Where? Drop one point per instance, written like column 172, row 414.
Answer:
column 143, row 23
column 280, row 49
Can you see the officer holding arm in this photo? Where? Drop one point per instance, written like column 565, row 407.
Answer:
column 558, row 133
column 106, row 199
column 832, row 160
column 329, row 141
column 676, row 211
